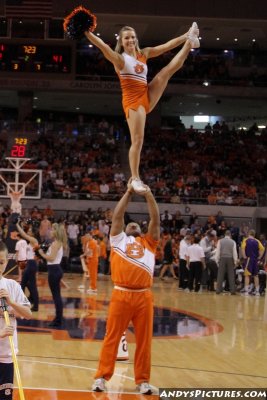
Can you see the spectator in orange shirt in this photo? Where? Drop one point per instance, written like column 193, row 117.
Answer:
column 212, row 198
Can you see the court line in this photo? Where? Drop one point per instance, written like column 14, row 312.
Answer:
column 208, row 371
column 80, row 390
column 85, row 368
column 152, row 366
column 72, row 366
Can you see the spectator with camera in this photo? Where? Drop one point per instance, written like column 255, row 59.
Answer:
column 21, row 255
column 53, row 257
column 29, row 274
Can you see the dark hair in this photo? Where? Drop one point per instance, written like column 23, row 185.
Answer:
column 197, row 239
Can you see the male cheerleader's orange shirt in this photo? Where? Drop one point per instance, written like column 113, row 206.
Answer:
column 132, row 260
column 133, row 81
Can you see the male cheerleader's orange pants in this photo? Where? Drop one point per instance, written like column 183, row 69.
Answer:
column 126, row 306
column 92, row 266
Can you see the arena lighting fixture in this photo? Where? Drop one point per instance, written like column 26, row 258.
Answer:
column 205, row 83
column 261, row 126
column 98, row 34
column 242, row 127
column 217, row 38
column 90, row 45
column 235, row 39
column 226, row 51
column 201, row 118
column 253, row 40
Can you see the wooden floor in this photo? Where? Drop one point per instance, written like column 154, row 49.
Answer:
column 200, row 341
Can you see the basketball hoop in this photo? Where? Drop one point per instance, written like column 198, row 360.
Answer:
column 17, row 181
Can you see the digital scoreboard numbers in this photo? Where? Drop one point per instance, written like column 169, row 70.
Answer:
column 18, row 147
column 42, row 58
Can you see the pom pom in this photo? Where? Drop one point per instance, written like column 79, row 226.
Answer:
column 79, row 21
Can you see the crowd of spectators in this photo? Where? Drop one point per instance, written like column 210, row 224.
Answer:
column 174, row 228
column 77, row 160
column 99, row 220
column 214, row 166
column 219, row 66
column 217, row 165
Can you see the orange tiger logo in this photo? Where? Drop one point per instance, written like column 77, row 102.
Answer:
column 135, row 250
column 139, row 68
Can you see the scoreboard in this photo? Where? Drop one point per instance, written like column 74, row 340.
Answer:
column 32, row 57
column 18, row 146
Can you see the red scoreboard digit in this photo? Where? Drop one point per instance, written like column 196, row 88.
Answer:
column 18, row 147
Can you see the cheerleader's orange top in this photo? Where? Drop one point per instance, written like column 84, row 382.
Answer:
column 133, row 81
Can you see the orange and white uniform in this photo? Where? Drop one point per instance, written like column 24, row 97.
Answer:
column 91, row 259
column 132, row 267
column 133, row 81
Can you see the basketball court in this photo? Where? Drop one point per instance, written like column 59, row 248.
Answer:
column 200, row 340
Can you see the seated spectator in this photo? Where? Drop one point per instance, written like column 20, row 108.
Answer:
column 212, row 198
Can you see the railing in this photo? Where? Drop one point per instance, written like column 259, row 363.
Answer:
column 202, row 200
column 244, row 81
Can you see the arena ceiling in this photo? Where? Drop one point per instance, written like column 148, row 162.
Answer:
column 219, row 32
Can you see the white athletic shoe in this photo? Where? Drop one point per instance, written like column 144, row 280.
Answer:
column 193, row 36
column 99, row 385
column 262, row 272
column 138, row 185
column 144, row 388
column 194, row 29
column 239, row 271
column 81, row 287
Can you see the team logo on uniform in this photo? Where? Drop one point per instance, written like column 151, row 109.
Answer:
column 139, row 68
column 135, row 250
